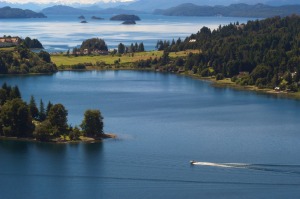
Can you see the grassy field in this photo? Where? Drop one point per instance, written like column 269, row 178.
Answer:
column 62, row 60
column 7, row 49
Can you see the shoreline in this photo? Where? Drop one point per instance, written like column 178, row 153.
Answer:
column 85, row 140
column 225, row 83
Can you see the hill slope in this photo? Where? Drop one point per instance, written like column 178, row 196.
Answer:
column 63, row 10
column 20, row 60
column 263, row 53
column 8, row 12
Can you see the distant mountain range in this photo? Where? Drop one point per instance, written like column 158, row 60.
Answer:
column 67, row 10
column 171, row 8
column 8, row 12
column 234, row 10
column 151, row 5
column 63, row 10
column 146, row 5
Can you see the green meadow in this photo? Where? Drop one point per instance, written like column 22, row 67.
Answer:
column 64, row 60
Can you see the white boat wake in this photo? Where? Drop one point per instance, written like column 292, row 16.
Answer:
column 294, row 169
column 225, row 165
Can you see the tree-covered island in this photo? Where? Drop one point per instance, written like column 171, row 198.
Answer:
column 48, row 123
column 125, row 17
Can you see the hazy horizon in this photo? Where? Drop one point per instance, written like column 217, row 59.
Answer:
column 127, row 3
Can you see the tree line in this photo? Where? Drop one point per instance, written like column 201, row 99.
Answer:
column 131, row 49
column 264, row 53
column 19, row 119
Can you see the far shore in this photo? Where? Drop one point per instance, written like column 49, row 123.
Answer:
column 216, row 83
column 228, row 83
column 82, row 139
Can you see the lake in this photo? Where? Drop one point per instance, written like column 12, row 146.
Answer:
column 247, row 143
column 60, row 33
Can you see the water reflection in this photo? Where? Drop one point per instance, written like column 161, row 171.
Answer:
column 10, row 146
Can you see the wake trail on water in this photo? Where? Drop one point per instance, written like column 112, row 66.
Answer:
column 293, row 169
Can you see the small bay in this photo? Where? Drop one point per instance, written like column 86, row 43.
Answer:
column 247, row 143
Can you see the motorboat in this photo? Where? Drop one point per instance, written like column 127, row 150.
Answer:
column 192, row 162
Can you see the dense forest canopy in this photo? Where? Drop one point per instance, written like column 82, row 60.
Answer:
column 32, row 43
column 22, row 120
column 20, row 60
column 264, row 53
column 93, row 44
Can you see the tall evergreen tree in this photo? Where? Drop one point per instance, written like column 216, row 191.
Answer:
column 34, row 111
column 15, row 93
column 49, row 106
column 121, row 48
column 42, row 112
column 141, row 47
column 3, row 96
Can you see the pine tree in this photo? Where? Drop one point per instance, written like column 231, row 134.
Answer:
column 34, row 111
column 42, row 113
column 121, row 48
column 48, row 108
column 13, row 92
column 141, row 47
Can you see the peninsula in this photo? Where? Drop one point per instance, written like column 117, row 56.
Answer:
column 19, row 120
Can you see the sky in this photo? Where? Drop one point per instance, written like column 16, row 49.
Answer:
column 64, row 1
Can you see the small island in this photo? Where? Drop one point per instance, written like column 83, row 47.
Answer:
column 22, row 121
column 124, row 17
column 8, row 13
column 83, row 21
column 97, row 18
column 81, row 17
column 129, row 22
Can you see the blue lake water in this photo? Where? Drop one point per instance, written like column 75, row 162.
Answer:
column 60, row 33
column 247, row 143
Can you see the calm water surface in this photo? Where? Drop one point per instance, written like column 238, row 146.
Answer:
column 60, row 33
column 163, row 121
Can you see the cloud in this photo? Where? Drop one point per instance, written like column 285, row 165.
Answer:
column 65, row 1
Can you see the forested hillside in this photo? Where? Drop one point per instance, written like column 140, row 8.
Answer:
column 20, row 60
column 264, row 53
